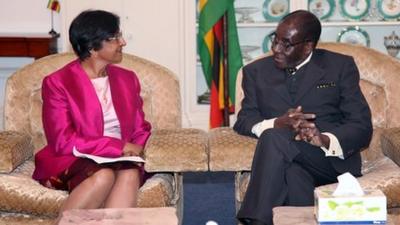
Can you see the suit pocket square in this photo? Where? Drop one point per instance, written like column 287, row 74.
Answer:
column 326, row 85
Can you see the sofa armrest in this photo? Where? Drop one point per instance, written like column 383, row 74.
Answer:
column 15, row 148
column 390, row 142
column 176, row 150
column 230, row 151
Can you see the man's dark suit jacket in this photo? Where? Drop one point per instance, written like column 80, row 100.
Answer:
column 330, row 89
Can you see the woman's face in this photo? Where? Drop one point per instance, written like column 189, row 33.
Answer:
column 111, row 50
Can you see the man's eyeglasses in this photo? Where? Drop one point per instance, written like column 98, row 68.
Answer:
column 116, row 37
column 287, row 45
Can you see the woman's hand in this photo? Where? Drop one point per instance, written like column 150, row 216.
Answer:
column 132, row 150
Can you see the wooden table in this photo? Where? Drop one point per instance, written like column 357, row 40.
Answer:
column 131, row 216
column 289, row 215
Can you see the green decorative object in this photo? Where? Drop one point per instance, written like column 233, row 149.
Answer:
column 354, row 9
column 323, row 9
column 389, row 9
column 332, row 205
column 266, row 44
column 274, row 10
column 354, row 35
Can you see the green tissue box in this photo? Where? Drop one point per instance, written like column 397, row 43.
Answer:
column 367, row 209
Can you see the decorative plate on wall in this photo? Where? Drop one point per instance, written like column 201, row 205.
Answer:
column 354, row 35
column 389, row 9
column 323, row 9
column 266, row 44
column 274, row 10
column 354, row 9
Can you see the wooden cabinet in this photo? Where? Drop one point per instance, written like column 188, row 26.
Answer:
column 20, row 45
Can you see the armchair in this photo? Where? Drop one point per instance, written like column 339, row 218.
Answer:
column 230, row 151
column 169, row 151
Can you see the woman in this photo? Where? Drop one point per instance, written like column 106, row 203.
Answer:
column 93, row 106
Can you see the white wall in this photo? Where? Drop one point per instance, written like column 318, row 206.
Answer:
column 26, row 16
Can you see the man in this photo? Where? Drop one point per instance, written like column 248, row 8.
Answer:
column 306, row 107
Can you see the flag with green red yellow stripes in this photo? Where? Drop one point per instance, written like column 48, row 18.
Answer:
column 212, row 39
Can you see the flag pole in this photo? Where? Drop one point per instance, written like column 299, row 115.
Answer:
column 226, row 69
column 52, row 32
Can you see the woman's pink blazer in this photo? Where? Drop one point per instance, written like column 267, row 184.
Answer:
column 72, row 116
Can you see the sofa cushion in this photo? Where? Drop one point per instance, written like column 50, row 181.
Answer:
column 230, row 151
column 15, row 148
column 35, row 120
column 391, row 144
column 177, row 150
column 23, row 194
column 158, row 191
column 373, row 153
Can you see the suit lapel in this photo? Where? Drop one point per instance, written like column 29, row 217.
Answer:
column 313, row 73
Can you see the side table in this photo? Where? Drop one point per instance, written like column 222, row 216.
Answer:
column 289, row 215
column 131, row 216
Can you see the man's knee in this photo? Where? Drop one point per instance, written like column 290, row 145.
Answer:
column 277, row 142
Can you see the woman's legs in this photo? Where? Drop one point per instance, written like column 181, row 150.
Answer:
column 125, row 190
column 92, row 192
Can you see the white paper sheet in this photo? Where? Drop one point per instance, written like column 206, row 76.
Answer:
column 100, row 160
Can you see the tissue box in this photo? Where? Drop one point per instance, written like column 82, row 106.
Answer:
column 367, row 209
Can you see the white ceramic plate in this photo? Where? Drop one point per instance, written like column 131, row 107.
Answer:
column 354, row 35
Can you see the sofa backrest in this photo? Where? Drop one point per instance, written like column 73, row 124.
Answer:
column 23, row 103
column 379, row 74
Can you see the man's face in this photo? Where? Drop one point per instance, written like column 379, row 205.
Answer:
column 288, row 46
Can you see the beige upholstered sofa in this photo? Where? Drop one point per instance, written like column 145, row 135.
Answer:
column 380, row 77
column 169, row 151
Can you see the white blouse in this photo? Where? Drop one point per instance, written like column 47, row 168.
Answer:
column 112, row 127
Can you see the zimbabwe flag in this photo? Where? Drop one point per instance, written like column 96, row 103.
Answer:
column 213, row 40
column 54, row 5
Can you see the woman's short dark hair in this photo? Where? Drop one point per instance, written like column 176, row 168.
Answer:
column 89, row 29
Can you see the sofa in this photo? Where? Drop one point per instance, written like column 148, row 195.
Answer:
column 379, row 73
column 169, row 151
